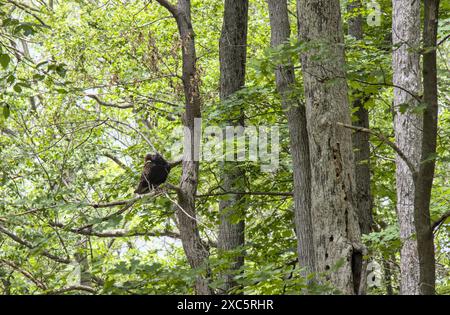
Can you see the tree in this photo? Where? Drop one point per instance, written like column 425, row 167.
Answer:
column 334, row 218
column 299, row 146
column 233, row 53
column 196, row 250
column 361, row 144
column 407, row 127
column 89, row 88
column 425, row 176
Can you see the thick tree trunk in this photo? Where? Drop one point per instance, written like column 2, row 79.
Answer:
column 424, row 181
column 233, row 53
column 361, row 139
column 196, row 251
column 334, row 217
column 296, row 115
column 407, row 126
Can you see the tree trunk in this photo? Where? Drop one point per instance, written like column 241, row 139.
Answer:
column 361, row 146
column 81, row 257
column 197, row 252
column 233, row 53
column 424, row 181
column 296, row 115
column 407, row 126
column 361, row 139
column 334, row 218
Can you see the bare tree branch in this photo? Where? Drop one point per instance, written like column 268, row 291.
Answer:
column 175, row 163
column 31, row 246
column 25, row 273
column 115, row 233
column 103, row 103
column 153, row 193
column 118, row 162
column 72, row 288
column 388, row 142
column 443, row 40
column 28, row 10
column 438, row 223
column 251, row 193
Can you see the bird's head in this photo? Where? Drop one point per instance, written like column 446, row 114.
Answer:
column 148, row 157
column 155, row 158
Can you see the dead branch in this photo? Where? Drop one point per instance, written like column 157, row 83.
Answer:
column 384, row 139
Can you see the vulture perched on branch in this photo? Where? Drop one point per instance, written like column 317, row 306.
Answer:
column 155, row 172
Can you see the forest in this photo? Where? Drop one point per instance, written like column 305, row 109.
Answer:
column 224, row 147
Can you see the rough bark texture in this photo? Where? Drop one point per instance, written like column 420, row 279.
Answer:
column 361, row 146
column 233, row 53
column 407, row 126
column 296, row 115
column 334, row 218
column 196, row 251
column 424, row 181
column 361, row 139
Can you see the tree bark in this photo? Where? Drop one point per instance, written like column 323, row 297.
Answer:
column 361, row 139
column 334, row 217
column 424, row 181
column 407, row 126
column 196, row 250
column 361, row 146
column 296, row 115
column 233, row 53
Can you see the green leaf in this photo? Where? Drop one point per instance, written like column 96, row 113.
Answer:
column 61, row 70
column 5, row 60
column 6, row 111
column 11, row 79
column 403, row 108
column 24, row 28
column 38, row 77
column 17, row 88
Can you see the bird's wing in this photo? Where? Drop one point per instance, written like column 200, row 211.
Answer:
column 144, row 183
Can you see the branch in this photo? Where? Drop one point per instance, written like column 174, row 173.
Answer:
column 175, row 163
column 72, row 288
column 137, row 131
column 25, row 273
column 174, row 188
column 415, row 96
column 251, row 193
column 28, row 10
column 31, row 246
column 437, row 224
column 127, row 233
column 443, row 40
column 122, row 202
column 118, row 162
column 115, row 233
column 170, row 7
column 127, row 204
column 8, row 132
column 99, row 101
column 387, row 141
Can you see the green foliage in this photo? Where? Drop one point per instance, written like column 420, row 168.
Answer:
column 59, row 148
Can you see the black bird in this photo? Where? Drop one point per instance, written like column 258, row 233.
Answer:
column 155, row 172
